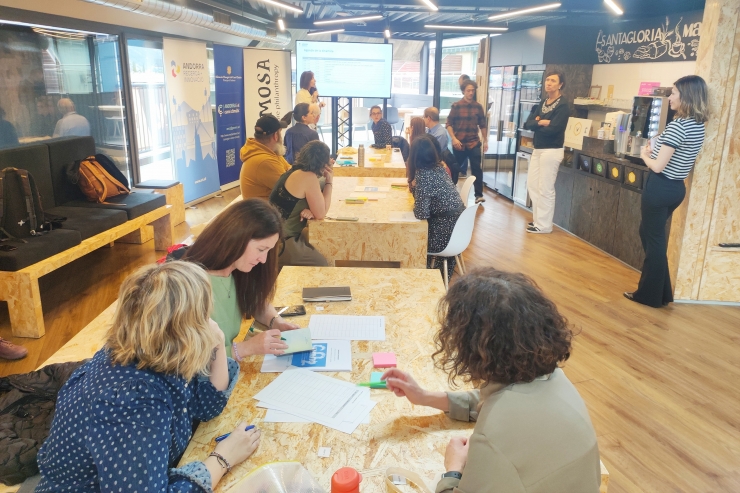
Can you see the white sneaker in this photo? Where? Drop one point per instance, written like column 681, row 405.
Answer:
column 530, row 225
column 536, row 230
column 478, row 200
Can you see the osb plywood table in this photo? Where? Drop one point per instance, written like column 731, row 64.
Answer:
column 373, row 237
column 396, row 168
column 399, row 434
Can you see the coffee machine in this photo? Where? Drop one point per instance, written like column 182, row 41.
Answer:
column 650, row 114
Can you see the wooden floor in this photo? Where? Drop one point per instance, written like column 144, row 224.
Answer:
column 661, row 384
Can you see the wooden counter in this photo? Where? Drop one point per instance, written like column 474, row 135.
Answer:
column 373, row 237
column 394, row 169
column 399, row 434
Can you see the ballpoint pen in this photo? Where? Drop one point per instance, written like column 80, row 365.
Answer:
column 225, row 436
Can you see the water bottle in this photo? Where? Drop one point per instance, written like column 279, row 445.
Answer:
column 361, row 156
column 346, row 480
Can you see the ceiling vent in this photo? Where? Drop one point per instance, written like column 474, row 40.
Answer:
column 176, row 13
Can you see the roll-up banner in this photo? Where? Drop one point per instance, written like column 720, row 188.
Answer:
column 267, row 85
column 191, row 117
column 229, row 67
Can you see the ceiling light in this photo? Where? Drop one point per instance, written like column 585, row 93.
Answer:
column 430, row 5
column 515, row 13
column 465, row 28
column 614, row 7
column 330, row 31
column 286, row 6
column 348, row 19
column 387, row 33
column 281, row 24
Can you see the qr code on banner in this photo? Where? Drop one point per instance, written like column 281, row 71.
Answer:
column 230, row 157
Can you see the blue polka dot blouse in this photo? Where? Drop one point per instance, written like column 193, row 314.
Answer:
column 117, row 428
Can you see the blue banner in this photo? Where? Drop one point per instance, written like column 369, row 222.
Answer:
column 230, row 135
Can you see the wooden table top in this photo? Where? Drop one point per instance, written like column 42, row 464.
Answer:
column 372, row 211
column 399, row 434
column 396, row 168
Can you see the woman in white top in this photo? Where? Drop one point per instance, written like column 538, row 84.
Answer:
column 670, row 162
column 307, row 93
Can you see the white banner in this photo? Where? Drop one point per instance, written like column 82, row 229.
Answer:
column 191, row 119
column 267, row 85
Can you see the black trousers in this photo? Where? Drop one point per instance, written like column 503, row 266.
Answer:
column 474, row 155
column 660, row 198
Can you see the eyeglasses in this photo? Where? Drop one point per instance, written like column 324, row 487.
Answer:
column 376, row 113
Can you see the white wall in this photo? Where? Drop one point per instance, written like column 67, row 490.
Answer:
column 626, row 77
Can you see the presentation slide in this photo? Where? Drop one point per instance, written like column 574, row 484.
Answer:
column 353, row 70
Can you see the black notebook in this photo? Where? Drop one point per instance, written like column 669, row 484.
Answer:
column 337, row 293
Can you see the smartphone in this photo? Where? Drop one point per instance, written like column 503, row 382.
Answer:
column 292, row 311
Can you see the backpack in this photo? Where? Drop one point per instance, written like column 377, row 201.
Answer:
column 98, row 178
column 21, row 213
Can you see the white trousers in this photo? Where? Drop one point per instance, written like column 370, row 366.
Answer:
column 543, row 171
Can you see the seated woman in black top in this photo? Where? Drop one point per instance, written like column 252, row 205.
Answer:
column 435, row 199
column 382, row 131
column 298, row 196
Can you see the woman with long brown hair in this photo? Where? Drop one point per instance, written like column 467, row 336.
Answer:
column 670, row 162
column 499, row 332
column 416, row 128
column 237, row 249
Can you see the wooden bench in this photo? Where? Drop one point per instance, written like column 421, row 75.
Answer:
column 21, row 288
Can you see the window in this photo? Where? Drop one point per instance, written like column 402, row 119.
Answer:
column 58, row 82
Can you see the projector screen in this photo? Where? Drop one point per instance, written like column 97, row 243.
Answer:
column 352, row 70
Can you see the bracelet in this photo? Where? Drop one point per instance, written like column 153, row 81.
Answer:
column 235, row 352
column 273, row 321
column 221, row 461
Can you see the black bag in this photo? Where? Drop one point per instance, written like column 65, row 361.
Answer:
column 21, row 213
column 402, row 144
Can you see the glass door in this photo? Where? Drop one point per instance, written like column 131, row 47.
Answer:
column 151, row 111
column 503, row 117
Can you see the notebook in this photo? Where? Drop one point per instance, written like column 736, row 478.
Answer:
column 338, row 293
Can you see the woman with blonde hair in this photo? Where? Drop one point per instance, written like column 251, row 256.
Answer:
column 123, row 419
column 670, row 162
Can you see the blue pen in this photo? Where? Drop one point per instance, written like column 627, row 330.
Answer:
column 223, row 437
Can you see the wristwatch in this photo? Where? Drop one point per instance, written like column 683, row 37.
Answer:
column 452, row 474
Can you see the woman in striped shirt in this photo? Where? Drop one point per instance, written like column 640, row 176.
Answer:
column 670, row 162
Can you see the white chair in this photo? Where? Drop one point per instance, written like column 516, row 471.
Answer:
column 324, row 122
column 360, row 118
column 459, row 240
column 465, row 190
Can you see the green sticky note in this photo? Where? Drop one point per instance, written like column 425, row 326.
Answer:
column 375, row 376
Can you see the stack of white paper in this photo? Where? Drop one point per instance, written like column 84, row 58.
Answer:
column 318, row 398
column 326, row 356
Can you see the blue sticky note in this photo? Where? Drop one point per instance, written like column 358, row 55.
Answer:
column 375, row 376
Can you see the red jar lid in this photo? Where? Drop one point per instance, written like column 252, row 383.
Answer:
column 346, row 480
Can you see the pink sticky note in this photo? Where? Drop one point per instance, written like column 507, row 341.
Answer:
column 384, row 360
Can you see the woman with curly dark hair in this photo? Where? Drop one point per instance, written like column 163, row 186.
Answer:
column 533, row 433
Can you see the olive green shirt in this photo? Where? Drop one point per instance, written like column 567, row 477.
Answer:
column 226, row 309
column 533, row 437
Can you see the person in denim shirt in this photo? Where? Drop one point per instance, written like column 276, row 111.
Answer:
column 124, row 418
